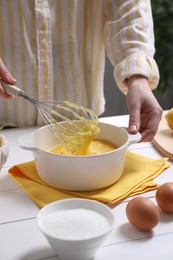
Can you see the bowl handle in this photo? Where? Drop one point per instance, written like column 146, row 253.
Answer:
column 25, row 142
column 132, row 138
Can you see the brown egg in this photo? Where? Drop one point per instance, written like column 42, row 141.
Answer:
column 142, row 213
column 164, row 197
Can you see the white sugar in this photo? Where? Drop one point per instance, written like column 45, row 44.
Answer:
column 75, row 224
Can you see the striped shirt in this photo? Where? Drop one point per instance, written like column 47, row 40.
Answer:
column 56, row 50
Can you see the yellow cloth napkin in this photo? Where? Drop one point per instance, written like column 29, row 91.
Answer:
column 137, row 178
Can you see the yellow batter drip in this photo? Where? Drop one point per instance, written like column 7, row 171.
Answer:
column 93, row 147
column 78, row 139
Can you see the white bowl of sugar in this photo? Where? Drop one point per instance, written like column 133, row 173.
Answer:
column 75, row 228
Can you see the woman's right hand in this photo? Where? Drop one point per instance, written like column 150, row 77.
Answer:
column 6, row 77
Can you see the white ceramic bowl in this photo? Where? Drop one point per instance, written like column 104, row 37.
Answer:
column 82, row 225
column 4, row 150
column 79, row 173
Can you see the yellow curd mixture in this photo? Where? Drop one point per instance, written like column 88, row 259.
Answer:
column 94, row 147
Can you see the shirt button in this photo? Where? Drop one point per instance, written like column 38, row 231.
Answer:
column 45, row 86
column 44, row 42
column 34, row 60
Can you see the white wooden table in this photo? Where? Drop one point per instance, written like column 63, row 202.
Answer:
column 20, row 238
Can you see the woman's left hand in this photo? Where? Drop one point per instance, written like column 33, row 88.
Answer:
column 144, row 110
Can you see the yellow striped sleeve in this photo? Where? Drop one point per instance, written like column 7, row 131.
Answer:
column 129, row 41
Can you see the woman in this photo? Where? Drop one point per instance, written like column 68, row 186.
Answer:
column 55, row 50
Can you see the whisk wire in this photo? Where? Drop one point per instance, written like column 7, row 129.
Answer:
column 64, row 134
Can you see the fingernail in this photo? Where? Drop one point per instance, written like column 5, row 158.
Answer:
column 133, row 128
column 11, row 78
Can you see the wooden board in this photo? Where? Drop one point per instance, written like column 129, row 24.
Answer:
column 163, row 140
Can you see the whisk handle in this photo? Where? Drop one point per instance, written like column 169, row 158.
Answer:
column 11, row 89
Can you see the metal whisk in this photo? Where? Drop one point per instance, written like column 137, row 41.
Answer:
column 81, row 121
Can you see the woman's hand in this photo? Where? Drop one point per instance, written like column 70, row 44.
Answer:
column 5, row 76
column 144, row 110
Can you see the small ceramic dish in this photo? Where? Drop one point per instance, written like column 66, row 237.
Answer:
column 75, row 228
column 4, row 150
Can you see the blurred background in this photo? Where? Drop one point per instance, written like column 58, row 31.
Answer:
column 163, row 29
